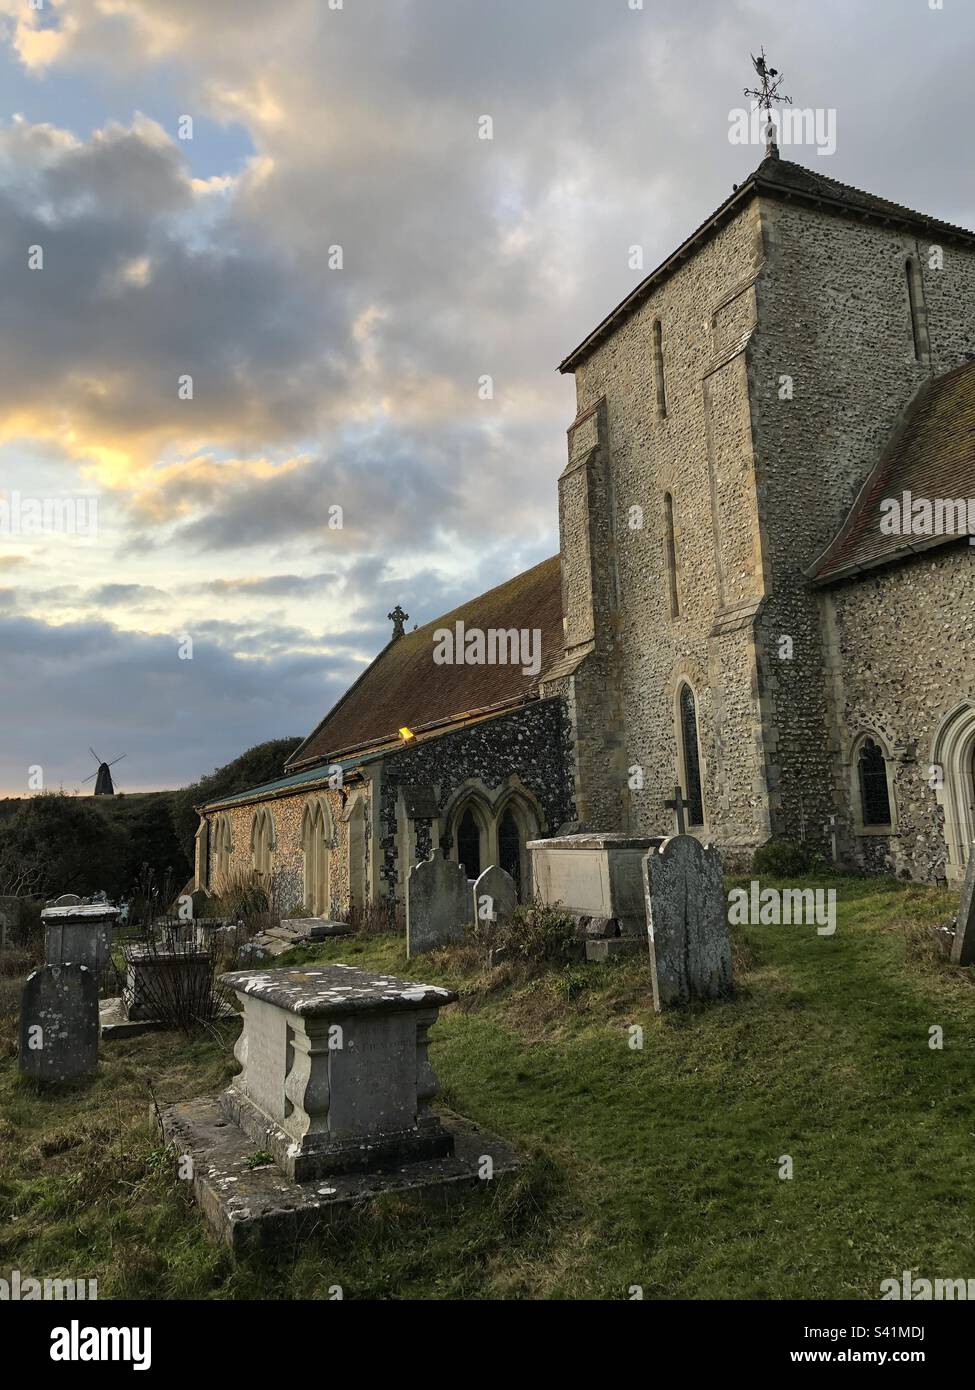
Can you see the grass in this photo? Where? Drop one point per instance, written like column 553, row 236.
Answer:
column 656, row 1166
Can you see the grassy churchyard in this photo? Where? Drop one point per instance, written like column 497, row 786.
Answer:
column 656, row 1166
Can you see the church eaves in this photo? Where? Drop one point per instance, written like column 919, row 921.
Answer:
column 404, row 688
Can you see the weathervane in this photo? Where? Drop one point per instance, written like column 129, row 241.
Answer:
column 766, row 95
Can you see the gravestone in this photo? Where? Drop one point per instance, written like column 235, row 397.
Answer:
column 78, row 933
column 10, row 912
column 963, row 949
column 687, row 922
column 59, row 1023
column 438, row 904
column 495, row 896
column 335, row 1072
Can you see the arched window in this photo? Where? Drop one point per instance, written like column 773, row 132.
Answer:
column 316, row 845
column 358, row 849
column 670, row 548
column 509, row 847
column 223, row 848
column 469, row 843
column 915, row 299
column 658, row 367
column 874, row 789
column 690, row 757
column 262, row 841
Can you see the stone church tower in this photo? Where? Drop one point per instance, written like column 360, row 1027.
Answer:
column 729, row 411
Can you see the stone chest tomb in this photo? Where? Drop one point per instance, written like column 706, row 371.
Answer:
column 599, row 876
column 335, row 1071
column 335, row 1098
column 78, row 932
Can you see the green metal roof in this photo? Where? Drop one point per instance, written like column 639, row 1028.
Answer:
column 297, row 781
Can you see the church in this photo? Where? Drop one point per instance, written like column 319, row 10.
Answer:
column 764, row 596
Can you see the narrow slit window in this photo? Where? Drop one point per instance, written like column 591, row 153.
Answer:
column 658, row 367
column 690, row 757
column 670, row 544
column 914, row 299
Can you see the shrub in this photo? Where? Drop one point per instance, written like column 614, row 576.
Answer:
column 378, row 918
column 242, row 897
column 780, row 859
column 533, row 933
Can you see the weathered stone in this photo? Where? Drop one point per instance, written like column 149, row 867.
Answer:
column 59, row 1023
column 687, row 921
column 252, row 1208
column 963, row 948
column 335, row 1071
column 600, row 876
column 312, row 928
column 495, row 896
column 438, row 904
column 79, row 933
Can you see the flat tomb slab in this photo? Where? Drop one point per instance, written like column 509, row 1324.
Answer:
column 324, row 991
column 114, row 1022
column 248, row 1208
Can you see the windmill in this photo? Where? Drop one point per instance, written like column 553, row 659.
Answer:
column 103, row 777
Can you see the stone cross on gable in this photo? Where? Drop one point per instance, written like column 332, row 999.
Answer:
column 397, row 618
column 678, row 805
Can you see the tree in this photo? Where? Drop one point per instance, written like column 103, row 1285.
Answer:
column 62, row 844
column 260, row 764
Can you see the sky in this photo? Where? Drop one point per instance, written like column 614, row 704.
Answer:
column 280, row 325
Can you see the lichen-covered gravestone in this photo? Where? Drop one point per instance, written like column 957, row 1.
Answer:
column 963, row 950
column 495, row 895
column 78, row 932
column 59, row 1023
column 438, row 904
column 687, row 923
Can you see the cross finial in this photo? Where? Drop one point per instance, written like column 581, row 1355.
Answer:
column 678, row 806
column 765, row 95
column 397, row 618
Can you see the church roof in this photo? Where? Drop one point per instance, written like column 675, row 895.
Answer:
column 931, row 455
column 782, row 179
column 405, row 688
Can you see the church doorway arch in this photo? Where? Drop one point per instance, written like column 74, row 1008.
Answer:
column 953, row 762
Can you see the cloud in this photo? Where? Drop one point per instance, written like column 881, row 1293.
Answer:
column 65, row 687
column 363, row 387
